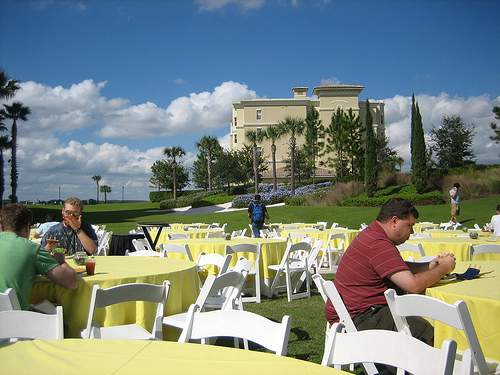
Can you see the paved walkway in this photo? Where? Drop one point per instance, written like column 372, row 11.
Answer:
column 218, row 208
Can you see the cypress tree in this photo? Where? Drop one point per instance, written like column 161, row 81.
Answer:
column 371, row 170
column 420, row 170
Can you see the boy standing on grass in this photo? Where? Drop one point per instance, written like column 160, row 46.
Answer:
column 455, row 202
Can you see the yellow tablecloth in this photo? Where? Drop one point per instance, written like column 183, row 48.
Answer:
column 482, row 296
column 458, row 232
column 271, row 252
column 418, row 226
column 350, row 234
column 192, row 233
column 133, row 357
column 112, row 271
column 456, row 245
column 181, row 225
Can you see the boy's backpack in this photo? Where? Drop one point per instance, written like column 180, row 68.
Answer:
column 258, row 212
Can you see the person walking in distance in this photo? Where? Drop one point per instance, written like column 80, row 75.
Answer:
column 257, row 211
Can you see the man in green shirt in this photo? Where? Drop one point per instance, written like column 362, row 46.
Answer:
column 22, row 260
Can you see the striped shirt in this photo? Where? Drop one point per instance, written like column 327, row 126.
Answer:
column 361, row 277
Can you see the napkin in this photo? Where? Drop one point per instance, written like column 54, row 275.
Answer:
column 469, row 274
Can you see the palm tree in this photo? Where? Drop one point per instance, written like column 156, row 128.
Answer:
column 254, row 137
column 293, row 126
column 105, row 189
column 16, row 111
column 208, row 146
column 273, row 133
column 97, row 178
column 4, row 144
column 8, row 87
column 172, row 153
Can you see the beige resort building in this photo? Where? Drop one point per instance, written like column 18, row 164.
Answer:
column 258, row 114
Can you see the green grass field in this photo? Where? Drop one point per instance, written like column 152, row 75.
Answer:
column 121, row 217
column 308, row 323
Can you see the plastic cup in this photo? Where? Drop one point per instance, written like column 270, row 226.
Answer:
column 90, row 266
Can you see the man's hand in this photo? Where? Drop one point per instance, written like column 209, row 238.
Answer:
column 51, row 243
column 74, row 222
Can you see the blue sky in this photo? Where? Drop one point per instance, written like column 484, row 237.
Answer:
column 111, row 83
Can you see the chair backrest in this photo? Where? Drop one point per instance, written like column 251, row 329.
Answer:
column 446, row 226
column 103, row 247
column 424, row 229
column 425, row 259
column 421, row 235
column 254, row 248
column 143, row 253
column 141, row 244
column 216, row 235
column 237, row 323
column 9, row 300
column 330, row 292
column 290, row 227
column 102, row 298
column 31, row 325
column 178, row 236
column 292, row 236
column 390, row 348
column 168, row 248
column 228, row 286
column 483, row 249
column 214, row 259
column 456, row 316
column 413, row 247
column 334, row 236
column 313, row 254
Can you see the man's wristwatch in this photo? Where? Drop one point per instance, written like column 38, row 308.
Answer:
column 77, row 230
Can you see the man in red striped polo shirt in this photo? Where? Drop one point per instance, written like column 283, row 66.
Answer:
column 372, row 264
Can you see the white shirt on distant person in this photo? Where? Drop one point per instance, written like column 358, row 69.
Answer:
column 495, row 224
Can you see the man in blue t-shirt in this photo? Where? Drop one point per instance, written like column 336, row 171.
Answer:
column 257, row 211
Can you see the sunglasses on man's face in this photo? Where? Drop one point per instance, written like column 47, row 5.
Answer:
column 74, row 213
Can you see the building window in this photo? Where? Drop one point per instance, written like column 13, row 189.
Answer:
column 259, row 114
column 382, row 119
column 235, row 121
column 236, row 138
column 259, row 130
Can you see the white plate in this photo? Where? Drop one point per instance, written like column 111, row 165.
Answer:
column 447, row 279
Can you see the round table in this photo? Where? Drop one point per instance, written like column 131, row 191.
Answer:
column 482, row 296
column 459, row 246
column 112, row 271
column 350, row 234
column 133, row 357
column 192, row 233
column 272, row 251
column 453, row 233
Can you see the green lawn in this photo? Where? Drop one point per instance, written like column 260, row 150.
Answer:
column 308, row 323
column 121, row 217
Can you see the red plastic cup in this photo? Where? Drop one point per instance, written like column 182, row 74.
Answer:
column 90, row 266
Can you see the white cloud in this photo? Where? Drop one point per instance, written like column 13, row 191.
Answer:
column 179, row 81
column 210, row 5
column 330, row 81
column 46, row 163
column 473, row 110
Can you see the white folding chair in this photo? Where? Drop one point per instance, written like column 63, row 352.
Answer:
column 143, row 253
column 30, row 325
column 421, row 235
column 141, row 244
column 287, row 227
column 178, row 236
column 264, row 233
column 389, row 348
column 456, row 316
column 102, row 298
column 412, row 247
column 332, row 254
column 9, row 300
column 446, row 226
column 213, row 288
column 483, row 249
column 238, row 324
column 293, row 269
column 254, row 249
column 425, row 259
column 214, row 259
column 328, row 291
column 103, row 247
column 293, row 236
column 169, row 248
column 216, row 235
